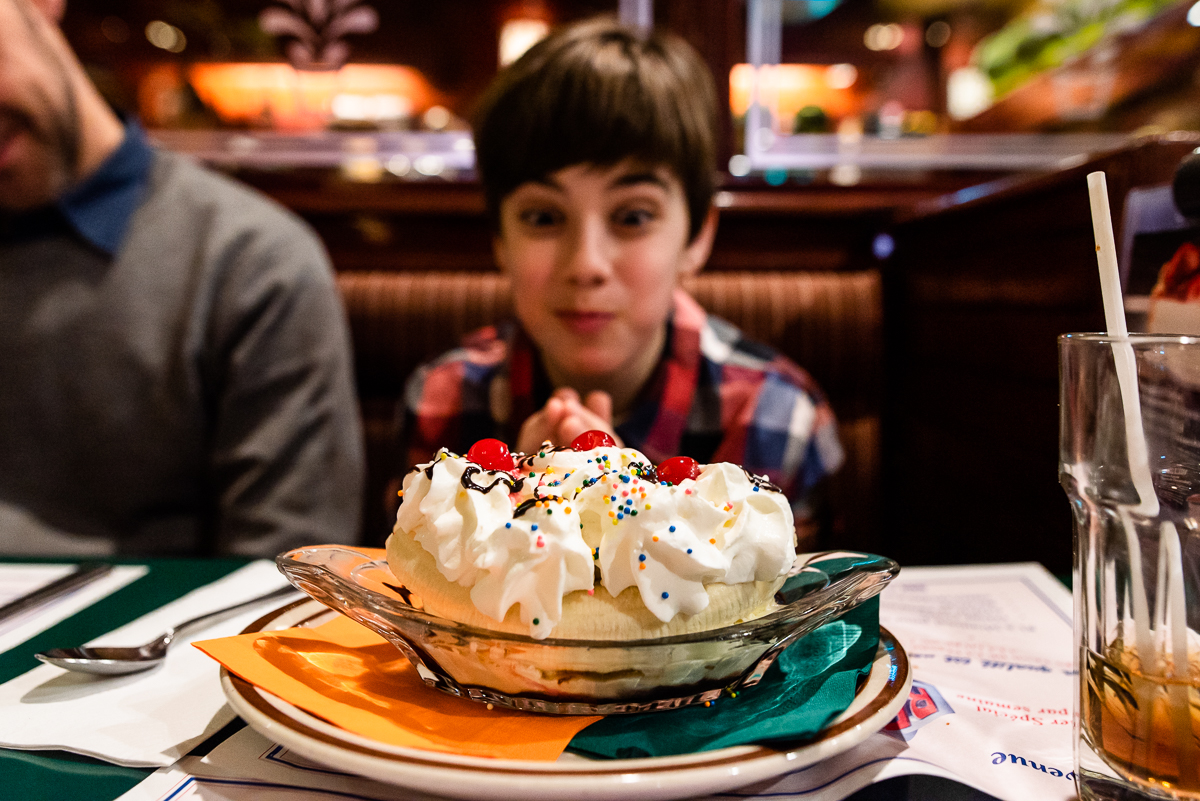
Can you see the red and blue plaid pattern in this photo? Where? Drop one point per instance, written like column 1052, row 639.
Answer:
column 716, row 396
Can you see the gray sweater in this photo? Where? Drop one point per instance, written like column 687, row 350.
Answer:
column 192, row 394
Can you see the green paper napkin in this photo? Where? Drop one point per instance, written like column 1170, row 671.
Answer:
column 812, row 682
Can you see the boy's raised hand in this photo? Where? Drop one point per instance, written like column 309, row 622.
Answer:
column 564, row 417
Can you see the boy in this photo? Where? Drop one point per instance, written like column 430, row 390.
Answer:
column 597, row 155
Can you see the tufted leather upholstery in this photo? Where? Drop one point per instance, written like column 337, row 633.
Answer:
column 828, row 322
column 398, row 320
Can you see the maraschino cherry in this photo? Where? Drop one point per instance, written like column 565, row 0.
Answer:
column 593, row 439
column 491, row 454
column 677, row 468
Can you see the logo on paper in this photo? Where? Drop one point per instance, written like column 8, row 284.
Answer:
column 925, row 704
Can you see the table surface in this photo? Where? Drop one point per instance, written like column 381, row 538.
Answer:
column 60, row 776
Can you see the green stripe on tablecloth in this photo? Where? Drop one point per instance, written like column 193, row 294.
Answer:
column 59, row 776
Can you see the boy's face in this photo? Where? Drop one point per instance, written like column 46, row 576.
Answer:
column 595, row 254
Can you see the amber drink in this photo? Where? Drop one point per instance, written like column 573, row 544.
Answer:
column 1143, row 724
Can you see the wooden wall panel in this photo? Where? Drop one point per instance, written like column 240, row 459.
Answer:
column 975, row 295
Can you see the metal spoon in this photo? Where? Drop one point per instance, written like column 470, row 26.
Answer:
column 114, row 661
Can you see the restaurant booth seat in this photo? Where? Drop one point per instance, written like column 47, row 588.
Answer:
column 828, row 322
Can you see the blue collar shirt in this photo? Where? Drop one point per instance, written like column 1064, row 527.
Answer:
column 98, row 208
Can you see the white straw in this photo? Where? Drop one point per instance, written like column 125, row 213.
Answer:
column 1135, row 438
column 1114, row 318
column 1106, row 255
column 1143, row 640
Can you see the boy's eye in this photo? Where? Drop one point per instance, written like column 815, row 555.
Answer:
column 633, row 218
column 540, row 218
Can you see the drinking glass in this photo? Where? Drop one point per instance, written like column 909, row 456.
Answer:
column 1129, row 460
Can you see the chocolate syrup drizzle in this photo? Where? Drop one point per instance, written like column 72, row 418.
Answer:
column 761, row 481
column 526, row 461
column 498, row 477
column 524, row 506
column 643, row 470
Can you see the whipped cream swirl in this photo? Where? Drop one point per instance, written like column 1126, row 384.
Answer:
column 565, row 516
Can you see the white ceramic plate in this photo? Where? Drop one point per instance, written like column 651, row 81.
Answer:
column 880, row 698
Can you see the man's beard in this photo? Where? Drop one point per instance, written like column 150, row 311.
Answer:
column 51, row 163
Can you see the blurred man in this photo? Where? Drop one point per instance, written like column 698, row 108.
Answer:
column 174, row 363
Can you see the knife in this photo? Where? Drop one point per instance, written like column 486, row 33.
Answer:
column 81, row 575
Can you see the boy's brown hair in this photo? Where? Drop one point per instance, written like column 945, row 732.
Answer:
column 598, row 92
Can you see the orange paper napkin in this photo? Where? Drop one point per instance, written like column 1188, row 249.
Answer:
column 355, row 679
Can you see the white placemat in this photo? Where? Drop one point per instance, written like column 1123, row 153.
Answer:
column 146, row 719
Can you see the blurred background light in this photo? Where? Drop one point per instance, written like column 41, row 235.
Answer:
column 850, row 132
column 841, row 76
column 165, row 36
column 794, row 12
column 429, row 165
column 775, row 176
column 968, row 92
column 937, row 34
column 436, row 118
column 378, row 108
column 883, row 37
column 257, row 93
column 243, row 143
column 360, row 162
column 350, row 107
column 786, row 89
column 883, row 246
column 845, row 175
column 739, row 165
column 1193, row 16
column 399, row 165
column 518, row 35
column 891, row 119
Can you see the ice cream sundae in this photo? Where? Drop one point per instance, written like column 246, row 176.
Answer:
column 590, row 542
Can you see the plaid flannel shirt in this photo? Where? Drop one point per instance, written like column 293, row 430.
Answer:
column 715, row 396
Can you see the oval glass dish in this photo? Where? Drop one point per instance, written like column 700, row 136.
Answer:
column 584, row 677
